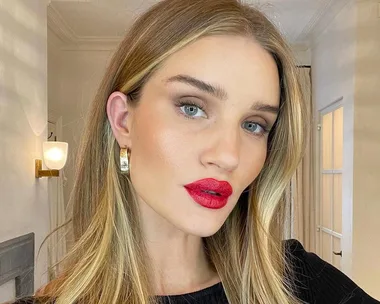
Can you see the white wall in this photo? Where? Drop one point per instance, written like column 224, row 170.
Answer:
column 333, row 76
column 345, row 63
column 73, row 79
column 23, row 123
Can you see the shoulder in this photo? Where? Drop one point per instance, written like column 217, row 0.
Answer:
column 316, row 281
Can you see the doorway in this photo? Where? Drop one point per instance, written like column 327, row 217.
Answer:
column 329, row 220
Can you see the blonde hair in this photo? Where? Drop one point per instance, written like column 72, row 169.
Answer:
column 108, row 262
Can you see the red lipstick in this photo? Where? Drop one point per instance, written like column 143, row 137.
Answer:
column 209, row 192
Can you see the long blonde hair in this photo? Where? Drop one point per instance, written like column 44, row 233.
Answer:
column 108, row 262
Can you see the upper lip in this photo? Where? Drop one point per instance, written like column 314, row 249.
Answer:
column 222, row 188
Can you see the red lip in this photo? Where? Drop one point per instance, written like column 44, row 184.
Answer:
column 200, row 192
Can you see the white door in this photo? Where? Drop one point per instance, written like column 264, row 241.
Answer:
column 329, row 218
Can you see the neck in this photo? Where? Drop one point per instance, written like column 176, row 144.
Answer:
column 178, row 260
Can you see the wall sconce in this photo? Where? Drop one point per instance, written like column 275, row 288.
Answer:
column 55, row 156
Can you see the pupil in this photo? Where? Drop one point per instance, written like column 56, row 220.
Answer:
column 191, row 110
column 251, row 126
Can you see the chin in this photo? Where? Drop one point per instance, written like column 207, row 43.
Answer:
column 200, row 229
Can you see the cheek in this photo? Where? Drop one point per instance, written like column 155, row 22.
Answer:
column 156, row 146
column 254, row 161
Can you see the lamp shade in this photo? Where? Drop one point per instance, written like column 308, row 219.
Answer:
column 55, row 154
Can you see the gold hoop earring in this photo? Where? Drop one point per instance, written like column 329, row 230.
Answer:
column 124, row 160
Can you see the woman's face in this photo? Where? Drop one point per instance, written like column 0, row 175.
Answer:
column 198, row 136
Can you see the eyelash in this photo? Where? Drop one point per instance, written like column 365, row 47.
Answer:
column 180, row 104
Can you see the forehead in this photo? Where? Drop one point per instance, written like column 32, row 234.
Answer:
column 238, row 64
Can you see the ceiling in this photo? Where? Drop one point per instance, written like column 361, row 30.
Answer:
column 106, row 21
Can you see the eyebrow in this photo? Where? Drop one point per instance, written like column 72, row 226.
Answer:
column 263, row 107
column 218, row 92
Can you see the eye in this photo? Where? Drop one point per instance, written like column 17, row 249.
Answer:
column 192, row 110
column 254, row 128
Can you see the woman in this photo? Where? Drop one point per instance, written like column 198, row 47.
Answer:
column 195, row 132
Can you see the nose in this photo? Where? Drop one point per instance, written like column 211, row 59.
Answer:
column 222, row 149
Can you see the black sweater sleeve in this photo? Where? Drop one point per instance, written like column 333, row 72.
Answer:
column 318, row 282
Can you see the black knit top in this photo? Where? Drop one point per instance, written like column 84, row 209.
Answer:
column 316, row 282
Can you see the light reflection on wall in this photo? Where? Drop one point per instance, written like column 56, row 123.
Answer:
column 23, row 122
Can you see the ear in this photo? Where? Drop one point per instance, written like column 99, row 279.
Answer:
column 120, row 118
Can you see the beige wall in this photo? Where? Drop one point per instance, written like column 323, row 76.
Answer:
column 366, row 191
column 23, row 124
column 345, row 63
column 303, row 57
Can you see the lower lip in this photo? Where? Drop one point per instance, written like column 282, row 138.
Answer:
column 208, row 200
